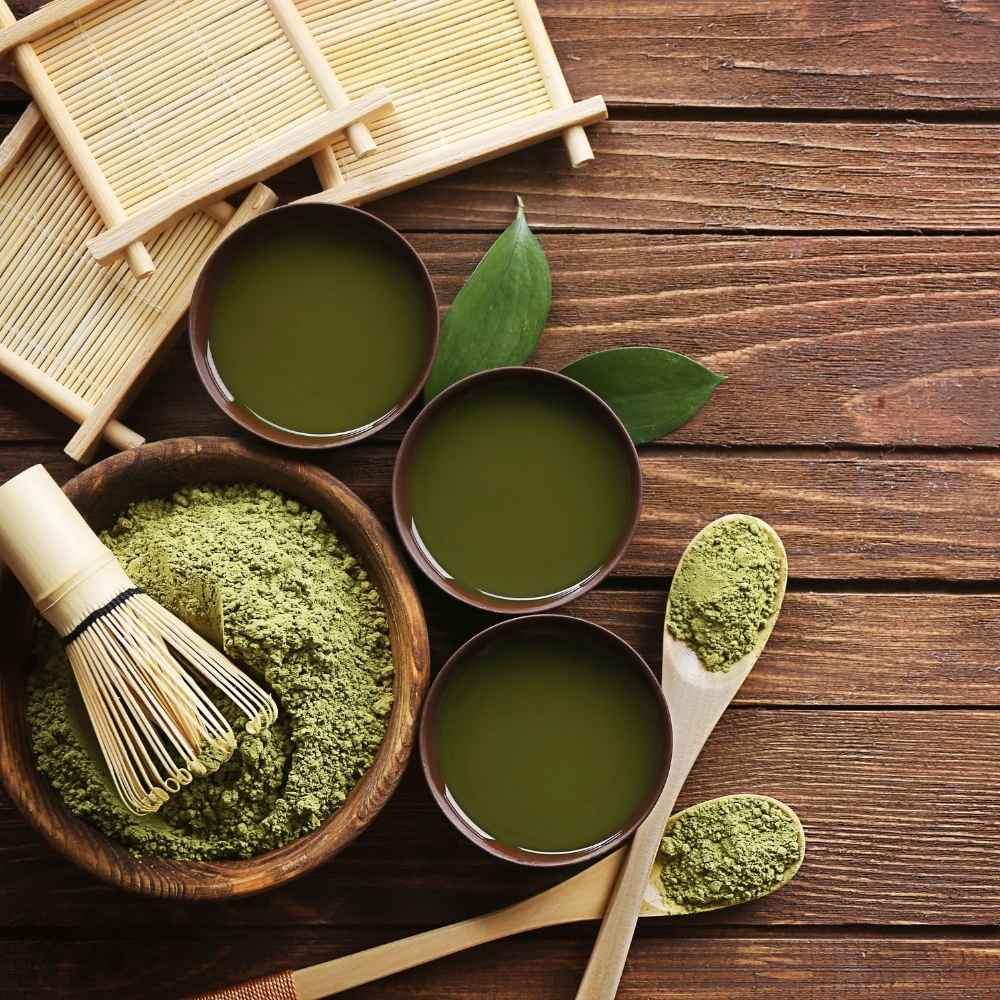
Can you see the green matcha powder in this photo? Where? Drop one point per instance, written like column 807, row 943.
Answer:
column 288, row 602
column 727, row 851
column 725, row 592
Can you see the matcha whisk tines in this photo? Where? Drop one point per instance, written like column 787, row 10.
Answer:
column 137, row 666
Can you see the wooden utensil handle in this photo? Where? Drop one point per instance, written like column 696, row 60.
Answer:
column 280, row 986
column 395, row 956
column 607, row 960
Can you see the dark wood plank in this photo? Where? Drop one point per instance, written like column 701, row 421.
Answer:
column 902, row 811
column 547, row 967
column 868, row 341
column 705, row 175
column 880, row 54
column 898, row 54
column 829, row 649
column 708, row 175
column 880, row 518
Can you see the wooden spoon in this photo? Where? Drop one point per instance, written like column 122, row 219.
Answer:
column 697, row 698
column 583, row 897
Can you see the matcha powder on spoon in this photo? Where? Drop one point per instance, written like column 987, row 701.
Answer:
column 725, row 591
column 271, row 582
column 728, row 851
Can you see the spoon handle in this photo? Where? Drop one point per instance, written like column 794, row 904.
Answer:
column 607, row 960
column 582, row 897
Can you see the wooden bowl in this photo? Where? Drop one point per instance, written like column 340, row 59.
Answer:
column 101, row 493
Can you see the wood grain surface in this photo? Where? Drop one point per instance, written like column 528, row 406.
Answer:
column 915, row 321
column 861, row 781
column 802, row 194
column 863, row 518
column 705, row 967
column 703, row 175
column 860, row 518
column 711, row 175
column 834, row 54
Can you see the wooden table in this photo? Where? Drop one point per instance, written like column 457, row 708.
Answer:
column 804, row 195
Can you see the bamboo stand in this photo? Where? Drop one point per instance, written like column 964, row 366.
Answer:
column 163, row 113
column 82, row 337
column 47, row 98
column 471, row 80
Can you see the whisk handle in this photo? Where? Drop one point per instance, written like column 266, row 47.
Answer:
column 280, row 986
column 44, row 540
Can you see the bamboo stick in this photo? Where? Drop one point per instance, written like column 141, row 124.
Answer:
column 469, row 152
column 15, row 141
column 68, row 403
column 84, row 442
column 274, row 156
column 577, row 144
column 221, row 212
column 328, row 85
column 46, row 97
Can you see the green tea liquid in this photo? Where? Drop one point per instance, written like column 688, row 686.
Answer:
column 318, row 331
column 520, row 491
column 550, row 742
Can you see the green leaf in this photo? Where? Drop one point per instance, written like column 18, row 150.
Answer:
column 653, row 391
column 498, row 316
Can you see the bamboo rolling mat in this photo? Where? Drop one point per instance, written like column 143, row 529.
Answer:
column 470, row 80
column 79, row 335
column 163, row 105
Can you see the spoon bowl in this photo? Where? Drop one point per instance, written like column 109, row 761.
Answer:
column 682, row 670
column 655, row 905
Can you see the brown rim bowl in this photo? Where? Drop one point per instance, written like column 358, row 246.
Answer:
column 404, row 516
column 277, row 220
column 435, row 779
column 101, row 493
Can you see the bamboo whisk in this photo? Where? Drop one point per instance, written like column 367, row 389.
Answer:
column 156, row 727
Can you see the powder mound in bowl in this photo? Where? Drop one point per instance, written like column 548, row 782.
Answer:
column 725, row 592
column 727, row 851
column 270, row 581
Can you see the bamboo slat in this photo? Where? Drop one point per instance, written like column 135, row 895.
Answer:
column 464, row 74
column 152, row 100
column 69, row 327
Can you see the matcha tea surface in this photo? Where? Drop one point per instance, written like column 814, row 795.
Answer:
column 318, row 331
column 519, row 490
column 549, row 741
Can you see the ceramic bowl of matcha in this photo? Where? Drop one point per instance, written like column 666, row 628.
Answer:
column 314, row 325
column 546, row 740
column 517, row 490
column 330, row 520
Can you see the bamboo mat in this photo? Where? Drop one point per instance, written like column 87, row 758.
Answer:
column 164, row 91
column 458, row 71
column 62, row 315
column 163, row 105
